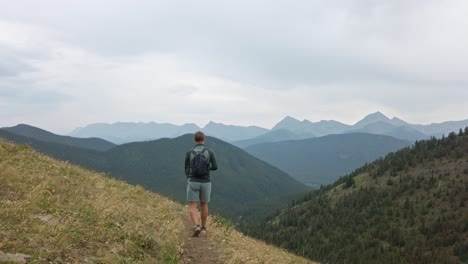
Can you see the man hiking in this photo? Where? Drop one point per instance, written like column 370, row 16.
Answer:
column 198, row 163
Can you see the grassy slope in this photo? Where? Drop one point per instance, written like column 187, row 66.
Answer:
column 57, row 212
column 95, row 218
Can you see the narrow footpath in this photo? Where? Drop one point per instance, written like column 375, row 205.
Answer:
column 199, row 249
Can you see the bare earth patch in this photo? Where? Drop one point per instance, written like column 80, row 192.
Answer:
column 46, row 218
column 197, row 249
column 17, row 258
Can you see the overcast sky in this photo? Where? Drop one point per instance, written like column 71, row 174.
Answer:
column 65, row 64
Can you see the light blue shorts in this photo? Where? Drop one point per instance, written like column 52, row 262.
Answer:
column 198, row 191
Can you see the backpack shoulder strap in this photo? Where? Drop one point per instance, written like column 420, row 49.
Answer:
column 201, row 151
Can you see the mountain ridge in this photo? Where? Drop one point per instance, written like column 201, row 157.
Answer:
column 232, row 132
column 304, row 129
column 41, row 134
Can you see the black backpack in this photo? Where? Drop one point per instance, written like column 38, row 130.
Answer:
column 199, row 164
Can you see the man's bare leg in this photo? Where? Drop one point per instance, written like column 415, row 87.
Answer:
column 204, row 213
column 193, row 206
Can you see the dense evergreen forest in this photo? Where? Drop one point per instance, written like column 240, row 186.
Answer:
column 409, row 207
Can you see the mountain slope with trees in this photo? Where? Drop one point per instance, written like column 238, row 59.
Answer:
column 409, row 207
column 64, row 152
column 244, row 187
column 43, row 135
column 400, row 132
column 323, row 160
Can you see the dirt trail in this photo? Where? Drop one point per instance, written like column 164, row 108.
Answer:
column 199, row 249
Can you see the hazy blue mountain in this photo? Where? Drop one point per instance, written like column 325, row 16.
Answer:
column 327, row 127
column 243, row 186
column 307, row 129
column 290, row 123
column 277, row 135
column 232, row 133
column 439, row 129
column 322, row 160
column 405, row 132
column 376, row 123
column 124, row 132
column 43, row 135
column 376, row 118
column 434, row 129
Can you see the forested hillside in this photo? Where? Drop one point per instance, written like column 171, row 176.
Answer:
column 46, row 136
column 323, row 160
column 409, row 207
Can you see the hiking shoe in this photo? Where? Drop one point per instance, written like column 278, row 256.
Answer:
column 203, row 231
column 196, row 231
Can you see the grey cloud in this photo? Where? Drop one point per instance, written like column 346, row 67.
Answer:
column 387, row 52
column 183, row 89
column 11, row 66
column 257, row 42
column 31, row 96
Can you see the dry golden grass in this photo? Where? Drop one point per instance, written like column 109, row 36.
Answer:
column 59, row 213
column 238, row 248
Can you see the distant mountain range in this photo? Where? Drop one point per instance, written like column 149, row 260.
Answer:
column 232, row 133
column 322, row 160
column 376, row 123
column 281, row 134
column 309, row 129
column 123, row 132
column 287, row 129
column 313, row 161
column 244, row 185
